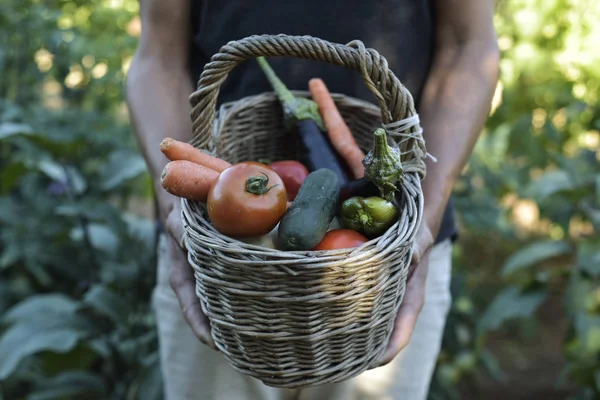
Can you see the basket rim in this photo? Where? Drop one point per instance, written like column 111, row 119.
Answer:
column 352, row 254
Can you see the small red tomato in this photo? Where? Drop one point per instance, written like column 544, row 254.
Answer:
column 341, row 239
column 292, row 173
column 247, row 199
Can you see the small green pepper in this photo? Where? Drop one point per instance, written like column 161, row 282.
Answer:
column 371, row 216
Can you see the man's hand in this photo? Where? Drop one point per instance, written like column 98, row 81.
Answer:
column 414, row 296
column 453, row 108
column 182, row 278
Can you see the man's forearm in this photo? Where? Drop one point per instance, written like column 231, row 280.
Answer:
column 454, row 107
column 159, row 107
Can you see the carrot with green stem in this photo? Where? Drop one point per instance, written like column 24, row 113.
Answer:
column 339, row 134
column 176, row 150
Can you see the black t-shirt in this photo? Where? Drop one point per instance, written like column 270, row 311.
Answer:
column 401, row 30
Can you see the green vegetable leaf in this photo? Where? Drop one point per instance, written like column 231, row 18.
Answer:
column 69, row 384
column 592, row 212
column 510, row 304
column 40, row 307
column 141, row 228
column 106, row 302
column 96, row 211
column 82, row 357
column 101, row 236
column 9, row 256
column 492, row 366
column 549, row 184
column 53, row 170
column 151, row 385
column 588, row 256
column 120, row 274
column 77, row 182
column 578, row 293
column 535, row 253
column 588, row 330
column 54, row 332
column 8, row 129
column 10, row 175
column 122, row 166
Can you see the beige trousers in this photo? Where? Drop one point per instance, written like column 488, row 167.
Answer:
column 192, row 371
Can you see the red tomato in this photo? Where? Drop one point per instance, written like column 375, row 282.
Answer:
column 293, row 173
column 247, row 199
column 341, row 239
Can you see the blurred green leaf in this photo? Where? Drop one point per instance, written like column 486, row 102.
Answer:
column 119, row 274
column 549, row 184
column 141, row 228
column 534, row 254
column 94, row 210
column 40, row 307
column 57, row 332
column 508, row 305
column 588, row 256
column 10, row 175
column 69, row 167
column 490, row 362
column 588, row 329
column 108, row 303
column 70, row 384
column 53, row 170
column 81, row 357
column 77, row 182
column 577, row 293
column 151, row 385
column 10, row 255
column 122, row 166
column 8, row 129
column 101, row 237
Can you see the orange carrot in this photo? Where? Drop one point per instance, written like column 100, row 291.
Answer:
column 339, row 134
column 176, row 150
column 188, row 180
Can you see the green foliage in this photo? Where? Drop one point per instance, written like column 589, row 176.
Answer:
column 534, row 182
column 76, row 268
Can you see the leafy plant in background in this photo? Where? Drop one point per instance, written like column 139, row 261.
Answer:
column 76, row 269
column 532, row 190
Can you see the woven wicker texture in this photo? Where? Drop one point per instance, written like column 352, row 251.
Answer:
column 297, row 319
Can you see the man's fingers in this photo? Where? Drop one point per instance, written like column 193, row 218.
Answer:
column 183, row 283
column 423, row 242
column 406, row 319
column 403, row 328
column 174, row 226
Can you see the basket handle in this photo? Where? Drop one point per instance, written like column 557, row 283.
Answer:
column 395, row 101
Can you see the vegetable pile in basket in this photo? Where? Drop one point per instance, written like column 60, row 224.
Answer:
column 334, row 197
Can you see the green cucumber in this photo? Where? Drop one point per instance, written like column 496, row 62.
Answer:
column 305, row 223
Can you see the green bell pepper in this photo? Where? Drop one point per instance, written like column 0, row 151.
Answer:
column 371, row 216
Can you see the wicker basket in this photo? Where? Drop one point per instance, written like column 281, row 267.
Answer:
column 298, row 319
